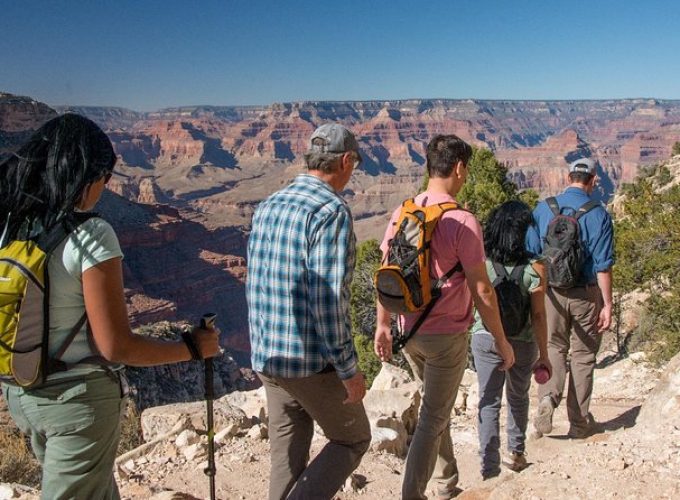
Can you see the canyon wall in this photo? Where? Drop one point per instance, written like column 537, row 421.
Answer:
column 188, row 179
column 223, row 160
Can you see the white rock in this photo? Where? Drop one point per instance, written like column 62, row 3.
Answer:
column 402, row 403
column 389, row 440
column 390, row 377
column 159, row 420
column 187, row 437
column 195, row 451
column 258, row 432
column 7, row 491
column 226, row 433
column 252, row 403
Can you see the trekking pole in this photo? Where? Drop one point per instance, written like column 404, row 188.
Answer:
column 208, row 322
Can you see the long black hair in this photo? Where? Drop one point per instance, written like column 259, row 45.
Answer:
column 46, row 178
column 505, row 231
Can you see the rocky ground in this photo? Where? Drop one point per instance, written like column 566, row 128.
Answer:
column 637, row 454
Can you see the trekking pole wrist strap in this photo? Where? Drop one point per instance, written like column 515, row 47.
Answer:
column 191, row 345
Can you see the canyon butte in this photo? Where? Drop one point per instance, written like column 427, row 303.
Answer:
column 189, row 178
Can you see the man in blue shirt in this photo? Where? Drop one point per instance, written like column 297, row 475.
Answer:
column 301, row 254
column 576, row 316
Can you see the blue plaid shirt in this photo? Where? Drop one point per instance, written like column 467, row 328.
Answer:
column 301, row 255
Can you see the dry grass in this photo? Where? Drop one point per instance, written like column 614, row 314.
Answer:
column 130, row 429
column 17, row 462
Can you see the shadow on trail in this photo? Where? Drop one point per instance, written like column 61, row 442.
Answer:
column 624, row 421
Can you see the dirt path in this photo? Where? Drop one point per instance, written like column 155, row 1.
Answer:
column 560, row 467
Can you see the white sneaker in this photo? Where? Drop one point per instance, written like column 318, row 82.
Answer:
column 544, row 415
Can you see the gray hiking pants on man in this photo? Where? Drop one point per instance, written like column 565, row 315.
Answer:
column 294, row 404
column 572, row 316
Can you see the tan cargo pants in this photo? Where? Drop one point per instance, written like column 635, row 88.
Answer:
column 572, row 316
column 438, row 362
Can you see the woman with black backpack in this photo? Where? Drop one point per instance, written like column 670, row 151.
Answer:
column 519, row 282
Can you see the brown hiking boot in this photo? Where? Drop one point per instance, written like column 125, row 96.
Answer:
column 515, row 461
column 544, row 415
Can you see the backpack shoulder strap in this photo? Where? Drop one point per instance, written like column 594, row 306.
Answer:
column 517, row 273
column 501, row 272
column 553, row 205
column 435, row 297
column 50, row 240
column 444, row 277
column 586, row 207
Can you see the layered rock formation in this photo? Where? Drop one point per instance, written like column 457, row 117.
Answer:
column 209, row 167
column 177, row 268
column 19, row 116
column 224, row 160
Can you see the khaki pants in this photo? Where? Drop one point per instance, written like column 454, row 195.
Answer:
column 294, row 404
column 74, row 428
column 438, row 363
column 572, row 316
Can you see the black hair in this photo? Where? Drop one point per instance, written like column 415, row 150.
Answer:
column 46, row 178
column 505, row 231
column 443, row 152
column 580, row 177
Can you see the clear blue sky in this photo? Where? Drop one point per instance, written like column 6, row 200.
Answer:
column 146, row 55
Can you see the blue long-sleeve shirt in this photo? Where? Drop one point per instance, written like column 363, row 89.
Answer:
column 596, row 228
column 301, row 254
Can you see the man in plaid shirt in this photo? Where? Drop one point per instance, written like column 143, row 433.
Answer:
column 300, row 262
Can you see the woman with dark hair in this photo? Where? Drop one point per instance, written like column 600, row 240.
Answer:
column 520, row 287
column 73, row 419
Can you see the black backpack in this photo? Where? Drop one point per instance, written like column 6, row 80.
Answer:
column 513, row 304
column 562, row 246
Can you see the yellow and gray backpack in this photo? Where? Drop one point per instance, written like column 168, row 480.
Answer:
column 24, row 306
column 403, row 281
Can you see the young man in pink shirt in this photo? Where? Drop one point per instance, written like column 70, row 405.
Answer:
column 437, row 353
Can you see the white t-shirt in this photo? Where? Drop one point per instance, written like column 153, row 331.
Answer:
column 92, row 243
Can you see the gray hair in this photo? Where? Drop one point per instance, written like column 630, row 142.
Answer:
column 325, row 162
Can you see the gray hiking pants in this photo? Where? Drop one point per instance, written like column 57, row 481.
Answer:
column 491, row 381
column 294, row 404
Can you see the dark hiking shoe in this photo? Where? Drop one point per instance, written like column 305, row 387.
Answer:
column 586, row 430
column 490, row 474
column 579, row 432
column 544, row 415
column 515, row 461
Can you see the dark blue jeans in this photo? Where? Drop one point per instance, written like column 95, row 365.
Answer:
column 491, row 381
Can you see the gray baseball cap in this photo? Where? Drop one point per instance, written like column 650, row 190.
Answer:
column 584, row 165
column 333, row 138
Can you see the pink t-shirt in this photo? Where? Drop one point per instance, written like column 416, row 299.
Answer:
column 458, row 237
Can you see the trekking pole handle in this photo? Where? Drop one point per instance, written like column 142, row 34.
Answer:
column 208, row 321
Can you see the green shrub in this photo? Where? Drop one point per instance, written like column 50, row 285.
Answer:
column 647, row 239
column 676, row 148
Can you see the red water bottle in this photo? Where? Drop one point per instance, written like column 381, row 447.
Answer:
column 541, row 374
